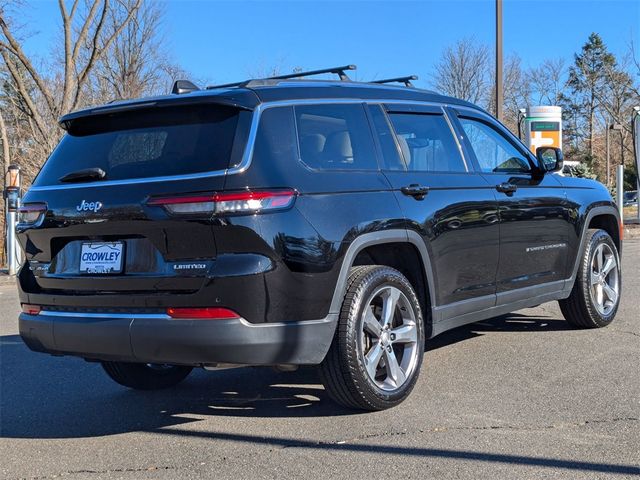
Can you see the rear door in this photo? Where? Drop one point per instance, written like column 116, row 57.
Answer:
column 534, row 215
column 449, row 205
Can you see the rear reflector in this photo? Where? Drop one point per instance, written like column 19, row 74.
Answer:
column 621, row 226
column 233, row 202
column 209, row 313
column 31, row 309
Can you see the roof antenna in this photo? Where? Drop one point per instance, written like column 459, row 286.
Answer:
column 406, row 80
column 183, row 86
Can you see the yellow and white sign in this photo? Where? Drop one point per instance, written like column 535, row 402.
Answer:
column 543, row 127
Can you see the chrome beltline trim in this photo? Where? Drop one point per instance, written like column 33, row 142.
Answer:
column 247, row 156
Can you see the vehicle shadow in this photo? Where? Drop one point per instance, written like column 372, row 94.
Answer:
column 48, row 397
column 512, row 322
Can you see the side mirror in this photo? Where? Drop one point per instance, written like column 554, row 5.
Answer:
column 550, row 159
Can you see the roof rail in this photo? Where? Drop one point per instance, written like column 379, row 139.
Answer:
column 340, row 71
column 406, row 80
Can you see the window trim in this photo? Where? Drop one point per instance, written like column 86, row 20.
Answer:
column 250, row 135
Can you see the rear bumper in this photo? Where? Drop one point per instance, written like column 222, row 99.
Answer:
column 157, row 338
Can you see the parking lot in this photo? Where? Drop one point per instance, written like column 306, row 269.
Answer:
column 520, row 396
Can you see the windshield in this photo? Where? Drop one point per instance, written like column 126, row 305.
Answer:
column 146, row 143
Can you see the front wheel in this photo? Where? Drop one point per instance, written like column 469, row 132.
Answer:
column 146, row 376
column 376, row 354
column 595, row 297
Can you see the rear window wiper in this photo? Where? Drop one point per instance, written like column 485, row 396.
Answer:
column 94, row 173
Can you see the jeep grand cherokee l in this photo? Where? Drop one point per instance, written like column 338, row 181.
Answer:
column 298, row 222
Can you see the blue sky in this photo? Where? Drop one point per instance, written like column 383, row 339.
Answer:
column 222, row 41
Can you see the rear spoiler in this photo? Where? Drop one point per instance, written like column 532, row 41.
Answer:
column 245, row 101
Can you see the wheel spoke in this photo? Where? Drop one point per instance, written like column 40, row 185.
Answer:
column 372, row 360
column 394, row 370
column 599, row 294
column 389, row 305
column 371, row 323
column 609, row 265
column 611, row 294
column 406, row 333
column 595, row 278
column 600, row 260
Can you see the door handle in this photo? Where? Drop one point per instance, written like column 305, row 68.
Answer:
column 416, row 191
column 506, row 187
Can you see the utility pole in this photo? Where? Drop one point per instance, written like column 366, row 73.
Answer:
column 499, row 87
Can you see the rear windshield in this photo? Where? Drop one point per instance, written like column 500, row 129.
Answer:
column 147, row 143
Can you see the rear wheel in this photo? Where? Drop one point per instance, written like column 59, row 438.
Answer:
column 146, row 376
column 376, row 354
column 595, row 297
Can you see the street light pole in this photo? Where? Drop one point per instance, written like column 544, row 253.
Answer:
column 499, row 87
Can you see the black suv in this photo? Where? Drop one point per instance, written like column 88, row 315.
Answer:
column 296, row 222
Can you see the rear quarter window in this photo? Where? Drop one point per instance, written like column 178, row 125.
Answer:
column 147, row 143
column 335, row 137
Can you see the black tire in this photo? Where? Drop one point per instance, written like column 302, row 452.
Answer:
column 343, row 371
column 142, row 376
column 581, row 309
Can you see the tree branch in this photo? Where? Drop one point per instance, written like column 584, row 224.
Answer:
column 24, row 93
column 26, row 63
column 97, row 52
column 85, row 27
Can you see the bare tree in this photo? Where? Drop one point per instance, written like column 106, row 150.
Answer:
column 617, row 100
column 135, row 64
column 4, row 138
column 517, row 91
column 85, row 42
column 547, row 81
column 463, row 71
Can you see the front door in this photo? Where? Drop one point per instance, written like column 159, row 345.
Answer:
column 449, row 205
column 534, row 216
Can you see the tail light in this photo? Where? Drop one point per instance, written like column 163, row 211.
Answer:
column 233, row 202
column 31, row 309
column 31, row 213
column 208, row 313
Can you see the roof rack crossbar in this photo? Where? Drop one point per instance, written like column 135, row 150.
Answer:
column 406, row 80
column 340, row 71
column 336, row 70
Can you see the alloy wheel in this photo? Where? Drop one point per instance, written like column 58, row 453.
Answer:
column 604, row 281
column 389, row 338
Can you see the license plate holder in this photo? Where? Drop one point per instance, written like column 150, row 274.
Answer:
column 102, row 258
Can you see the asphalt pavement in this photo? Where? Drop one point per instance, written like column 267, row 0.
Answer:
column 521, row 396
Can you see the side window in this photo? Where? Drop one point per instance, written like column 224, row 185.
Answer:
column 494, row 152
column 275, row 138
column 427, row 143
column 335, row 137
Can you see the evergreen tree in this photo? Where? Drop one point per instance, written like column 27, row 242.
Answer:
column 587, row 82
